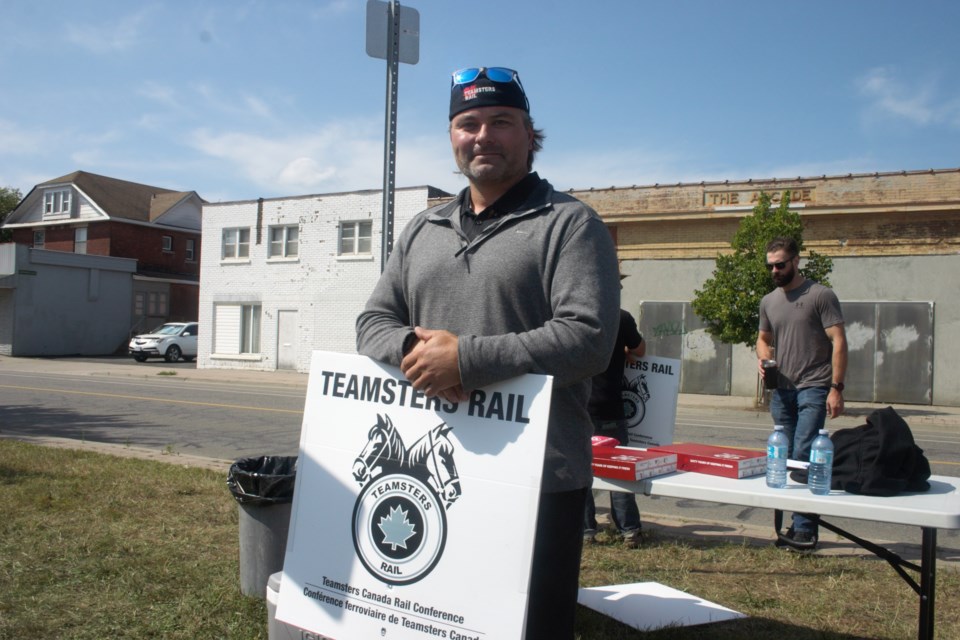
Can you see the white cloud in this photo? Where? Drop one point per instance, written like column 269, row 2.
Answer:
column 305, row 172
column 160, row 93
column 827, row 167
column 108, row 37
column 582, row 169
column 338, row 157
column 335, row 7
column 258, row 107
column 423, row 160
column 917, row 103
column 16, row 139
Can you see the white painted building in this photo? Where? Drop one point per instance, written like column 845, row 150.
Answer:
column 282, row 277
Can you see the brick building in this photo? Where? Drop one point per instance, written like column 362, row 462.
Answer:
column 895, row 242
column 87, row 213
column 92, row 215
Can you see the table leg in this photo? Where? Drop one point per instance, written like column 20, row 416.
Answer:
column 928, row 587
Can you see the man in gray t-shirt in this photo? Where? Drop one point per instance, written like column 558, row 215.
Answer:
column 801, row 327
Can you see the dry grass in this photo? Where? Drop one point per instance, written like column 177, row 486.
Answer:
column 94, row 546
column 785, row 595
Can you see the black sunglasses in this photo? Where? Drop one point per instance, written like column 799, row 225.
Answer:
column 778, row 265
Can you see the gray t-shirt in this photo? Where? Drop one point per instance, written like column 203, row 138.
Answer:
column 797, row 319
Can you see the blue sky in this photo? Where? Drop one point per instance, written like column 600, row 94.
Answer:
column 261, row 98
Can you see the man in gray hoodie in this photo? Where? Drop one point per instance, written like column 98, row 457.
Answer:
column 509, row 278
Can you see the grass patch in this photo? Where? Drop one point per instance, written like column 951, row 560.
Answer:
column 95, row 546
column 786, row 595
column 167, row 373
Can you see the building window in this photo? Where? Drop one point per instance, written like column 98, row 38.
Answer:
column 236, row 244
column 38, row 239
column 237, row 329
column 156, row 303
column 355, row 238
column 250, row 328
column 167, row 243
column 139, row 304
column 80, row 240
column 57, row 203
column 191, row 246
column 284, row 241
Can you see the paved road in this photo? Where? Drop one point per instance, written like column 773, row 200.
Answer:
column 215, row 416
column 144, row 406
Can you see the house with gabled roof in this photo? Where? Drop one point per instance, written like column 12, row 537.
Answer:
column 88, row 214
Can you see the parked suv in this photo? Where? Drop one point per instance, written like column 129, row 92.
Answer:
column 171, row 341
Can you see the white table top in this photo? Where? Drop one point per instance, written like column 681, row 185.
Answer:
column 939, row 507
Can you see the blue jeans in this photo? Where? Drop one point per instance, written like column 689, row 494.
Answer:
column 802, row 412
column 623, row 506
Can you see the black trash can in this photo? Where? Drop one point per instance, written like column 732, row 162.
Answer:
column 263, row 488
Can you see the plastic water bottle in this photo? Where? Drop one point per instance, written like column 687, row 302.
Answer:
column 820, row 473
column 777, row 458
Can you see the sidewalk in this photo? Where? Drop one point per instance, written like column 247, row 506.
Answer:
column 912, row 413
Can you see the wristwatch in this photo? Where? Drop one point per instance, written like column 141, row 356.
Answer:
column 837, row 385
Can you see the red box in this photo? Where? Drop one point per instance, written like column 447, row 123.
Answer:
column 717, row 461
column 627, row 463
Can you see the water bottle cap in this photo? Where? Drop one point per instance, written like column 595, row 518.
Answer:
column 778, row 427
column 824, row 432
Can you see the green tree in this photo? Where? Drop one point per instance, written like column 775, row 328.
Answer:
column 9, row 199
column 729, row 302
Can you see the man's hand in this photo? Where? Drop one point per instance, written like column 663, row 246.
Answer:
column 432, row 365
column 834, row 403
column 637, row 352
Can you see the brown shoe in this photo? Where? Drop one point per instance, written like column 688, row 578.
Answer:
column 632, row 540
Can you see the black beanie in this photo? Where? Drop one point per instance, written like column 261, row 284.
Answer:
column 484, row 92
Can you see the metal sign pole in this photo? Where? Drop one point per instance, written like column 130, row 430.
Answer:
column 390, row 133
column 393, row 34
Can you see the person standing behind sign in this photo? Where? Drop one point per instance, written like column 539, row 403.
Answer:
column 511, row 277
column 801, row 327
column 606, row 411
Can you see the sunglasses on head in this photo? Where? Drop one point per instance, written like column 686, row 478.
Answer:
column 493, row 74
column 778, row 265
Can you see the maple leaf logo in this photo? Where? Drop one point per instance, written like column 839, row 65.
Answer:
column 396, row 528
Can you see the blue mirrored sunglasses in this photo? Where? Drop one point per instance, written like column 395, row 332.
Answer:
column 494, row 74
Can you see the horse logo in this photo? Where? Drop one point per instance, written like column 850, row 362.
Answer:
column 399, row 521
column 635, row 395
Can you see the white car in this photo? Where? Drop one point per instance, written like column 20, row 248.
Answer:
column 171, row 341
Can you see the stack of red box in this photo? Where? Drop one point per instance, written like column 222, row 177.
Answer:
column 716, row 461
column 627, row 463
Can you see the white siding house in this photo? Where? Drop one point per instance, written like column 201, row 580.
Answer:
column 282, row 277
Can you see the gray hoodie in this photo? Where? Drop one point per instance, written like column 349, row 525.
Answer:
column 536, row 292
